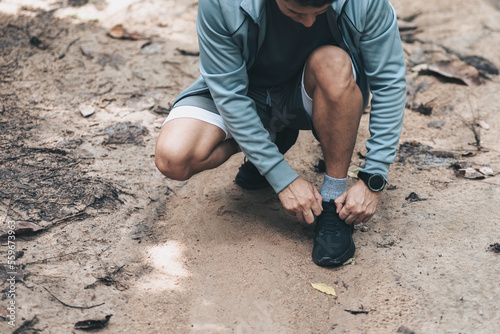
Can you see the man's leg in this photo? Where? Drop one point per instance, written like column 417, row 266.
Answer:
column 187, row 146
column 337, row 109
column 337, row 106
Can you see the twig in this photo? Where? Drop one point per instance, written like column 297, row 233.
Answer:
column 54, row 257
column 8, row 209
column 27, row 325
column 357, row 312
column 67, row 305
column 105, row 249
column 63, row 220
column 472, row 126
column 67, row 48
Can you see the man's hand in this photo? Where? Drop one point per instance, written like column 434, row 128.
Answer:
column 358, row 204
column 302, row 199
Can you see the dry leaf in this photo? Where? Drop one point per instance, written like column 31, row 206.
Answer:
column 405, row 25
column 119, row 32
column 22, row 228
column 93, row 324
column 471, row 173
column 351, row 260
column 324, row 288
column 457, row 69
column 353, row 171
column 486, row 171
column 483, row 124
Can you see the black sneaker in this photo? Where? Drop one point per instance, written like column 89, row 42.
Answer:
column 249, row 177
column 333, row 244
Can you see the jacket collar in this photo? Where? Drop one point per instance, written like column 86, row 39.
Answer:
column 254, row 8
column 337, row 5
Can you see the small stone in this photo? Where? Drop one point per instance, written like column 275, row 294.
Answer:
column 364, row 229
column 151, row 48
column 86, row 110
column 436, row 124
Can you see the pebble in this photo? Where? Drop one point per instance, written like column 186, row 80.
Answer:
column 436, row 124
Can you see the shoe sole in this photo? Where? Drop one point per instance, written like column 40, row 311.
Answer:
column 329, row 262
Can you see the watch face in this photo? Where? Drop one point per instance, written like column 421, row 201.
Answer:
column 376, row 182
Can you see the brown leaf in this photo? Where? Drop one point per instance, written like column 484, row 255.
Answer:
column 471, row 173
column 405, row 25
column 456, row 69
column 424, row 109
column 119, row 32
column 23, row 228
column 88, row 325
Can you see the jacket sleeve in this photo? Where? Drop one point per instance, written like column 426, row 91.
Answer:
column 224, row 70
column 383, row 58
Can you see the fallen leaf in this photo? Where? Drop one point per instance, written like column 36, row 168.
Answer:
column 119, row 32
column 88, row 325
column 353, row 171
column 456, row 69
column 23, row 228
column 424, row 109
column 471, row 173
column 188, row 53
column 324, row 288
column 350, row 261
column 486, row 171
column 483, row 65
column 413, row 197
column 405, row 25
column 151, row 48
column 483, row 124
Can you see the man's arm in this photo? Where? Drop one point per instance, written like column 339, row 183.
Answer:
column 225, row 72
column 385, row 69
column 382, row 54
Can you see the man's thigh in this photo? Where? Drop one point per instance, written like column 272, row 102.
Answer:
column 191, row 129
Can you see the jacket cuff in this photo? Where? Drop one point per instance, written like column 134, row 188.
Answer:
column 376, row 167
column 281, row 176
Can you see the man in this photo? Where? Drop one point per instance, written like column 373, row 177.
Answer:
column 272, row 67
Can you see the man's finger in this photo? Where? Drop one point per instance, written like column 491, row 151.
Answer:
column 309, row 217
column 316, row 206
column 319, row 198
column 339, row 202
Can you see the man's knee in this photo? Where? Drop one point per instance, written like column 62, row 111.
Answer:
column 173, row 163
column 330, row 68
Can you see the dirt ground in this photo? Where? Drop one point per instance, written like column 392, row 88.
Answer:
column 204, row 256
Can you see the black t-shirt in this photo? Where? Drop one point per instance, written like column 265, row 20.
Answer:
column 286, row 47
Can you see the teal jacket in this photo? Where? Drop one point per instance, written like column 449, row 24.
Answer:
column 230, row 33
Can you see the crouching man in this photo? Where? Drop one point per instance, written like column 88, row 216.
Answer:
column 270, row 68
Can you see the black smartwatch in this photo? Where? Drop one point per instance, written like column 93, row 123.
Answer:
column 374, row 182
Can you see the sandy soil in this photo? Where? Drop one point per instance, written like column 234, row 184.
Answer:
column 204, row 256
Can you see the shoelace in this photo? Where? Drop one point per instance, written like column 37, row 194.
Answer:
column 330, row 222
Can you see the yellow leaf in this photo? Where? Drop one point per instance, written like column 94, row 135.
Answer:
column 353, row 171
column 350, row 261
column 324, row 288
